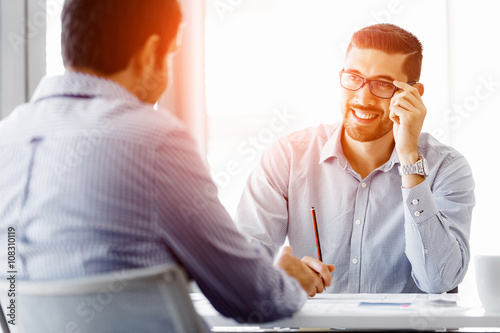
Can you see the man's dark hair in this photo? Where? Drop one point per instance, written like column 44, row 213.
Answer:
column 391, row 39
column 105, row 34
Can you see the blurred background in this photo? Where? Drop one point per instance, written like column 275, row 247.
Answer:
column 250, row 71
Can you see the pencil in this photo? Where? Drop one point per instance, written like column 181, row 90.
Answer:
column 313, row 212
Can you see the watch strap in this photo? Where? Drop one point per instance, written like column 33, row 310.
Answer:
column 416, row 168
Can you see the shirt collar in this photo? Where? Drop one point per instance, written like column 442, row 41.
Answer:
column 333, row 148
column 393, row 160
column 76, row 84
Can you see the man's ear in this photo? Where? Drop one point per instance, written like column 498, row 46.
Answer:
column 145, row 58
column 420, row 88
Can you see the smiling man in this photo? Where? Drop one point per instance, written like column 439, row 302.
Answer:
column 393, row 205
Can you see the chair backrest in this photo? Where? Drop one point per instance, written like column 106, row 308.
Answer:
column 154, row 299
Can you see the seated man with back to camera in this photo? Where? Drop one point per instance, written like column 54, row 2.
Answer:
column 393, row 205
column 139, row 194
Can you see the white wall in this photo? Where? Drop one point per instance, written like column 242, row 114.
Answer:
column 475, row 112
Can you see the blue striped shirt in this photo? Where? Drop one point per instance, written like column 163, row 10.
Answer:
column 95, row 181
column 380, row 237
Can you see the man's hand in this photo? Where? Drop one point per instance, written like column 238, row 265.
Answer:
column 324, row 270
column 407, row 111
column 310, row 280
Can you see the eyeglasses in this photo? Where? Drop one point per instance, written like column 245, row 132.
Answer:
column 382, row 89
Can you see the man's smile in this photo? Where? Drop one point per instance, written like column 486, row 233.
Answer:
column 364, row 116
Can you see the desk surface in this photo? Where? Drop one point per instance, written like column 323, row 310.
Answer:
column 372, row 311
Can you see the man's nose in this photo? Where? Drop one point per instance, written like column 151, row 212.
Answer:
column 364, row 96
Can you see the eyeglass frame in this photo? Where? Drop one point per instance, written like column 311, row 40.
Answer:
column 365, row 81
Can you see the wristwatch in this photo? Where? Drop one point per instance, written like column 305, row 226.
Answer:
column 420, row 167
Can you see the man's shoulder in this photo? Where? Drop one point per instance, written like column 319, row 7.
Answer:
column 114, row 119
column 307, row 142
column 432, row 148
column 147, row 120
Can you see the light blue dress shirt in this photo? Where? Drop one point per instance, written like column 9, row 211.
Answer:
column 380, row 237
column 93, row 181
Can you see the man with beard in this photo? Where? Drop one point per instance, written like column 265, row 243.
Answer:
column 393, row 205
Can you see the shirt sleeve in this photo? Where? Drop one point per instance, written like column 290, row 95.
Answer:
column 239, row 279
column 262, row 213
column 438, row 216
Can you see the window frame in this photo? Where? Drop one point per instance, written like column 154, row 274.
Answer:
column 185, row 97
column 22, row 51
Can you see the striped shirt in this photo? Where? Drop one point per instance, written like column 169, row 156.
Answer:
column 380, row 237
column 93, row 180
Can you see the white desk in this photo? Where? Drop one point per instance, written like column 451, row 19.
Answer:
column 372, row 311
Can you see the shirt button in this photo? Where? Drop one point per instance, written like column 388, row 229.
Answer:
column 363, row 184
column 417, row 213
column 358, row 222
column 354, row 261
column 426, row 251
column 414, row 202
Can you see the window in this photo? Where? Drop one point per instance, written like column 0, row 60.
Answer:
column 53, row 48
column 281, row 58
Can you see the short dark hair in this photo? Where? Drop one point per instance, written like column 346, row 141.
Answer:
column 391, row 39
column 105, row 34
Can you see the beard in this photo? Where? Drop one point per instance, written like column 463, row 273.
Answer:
column 366, row 133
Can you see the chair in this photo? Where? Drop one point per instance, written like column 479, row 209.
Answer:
column 153, row 299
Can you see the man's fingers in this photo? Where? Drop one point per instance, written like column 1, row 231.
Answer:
column 409, row 100
column 319, row 285
column 310, row 280
column 416, row 89
column 406, row 87
column 401, row 84
column 410, row 93
column 286, row 250
column 404, row 104
column 393, row 115
column 321, row 268
column 404, row 116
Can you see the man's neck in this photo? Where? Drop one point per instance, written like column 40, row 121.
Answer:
column 121, row 77
column 127, row 78
column 365, row 157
